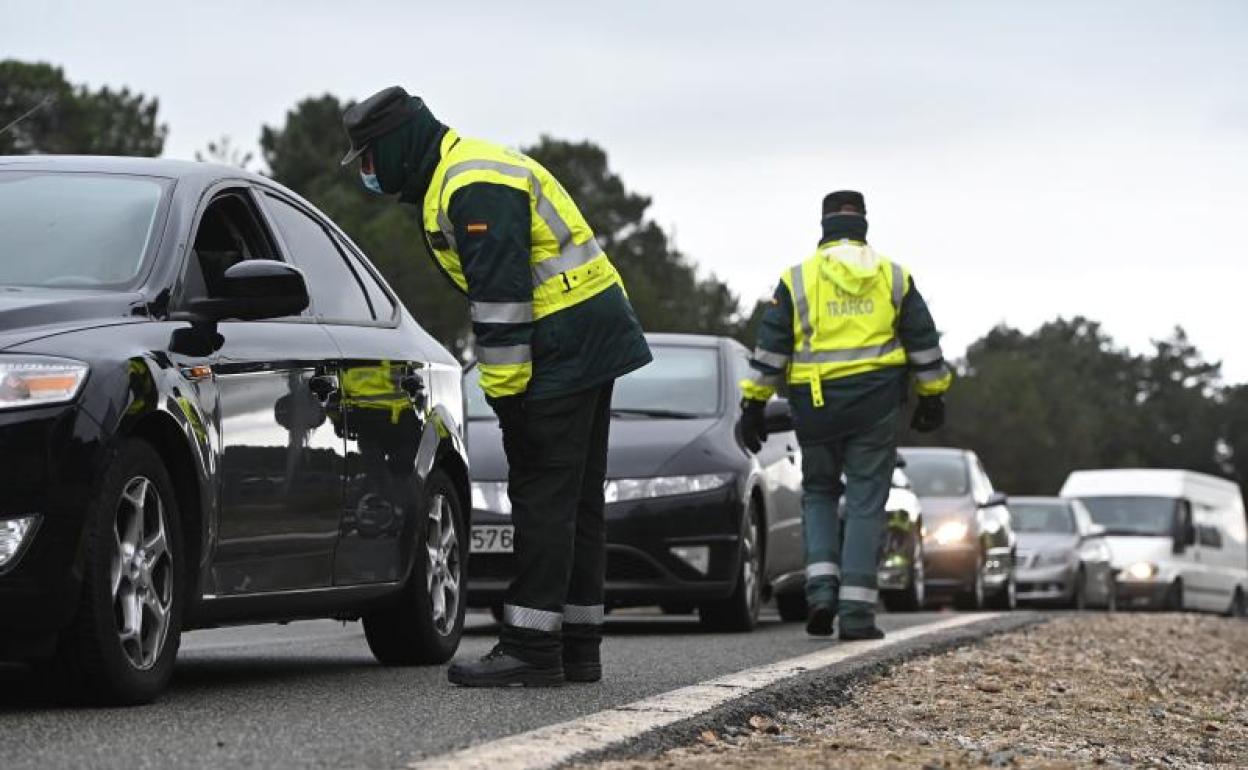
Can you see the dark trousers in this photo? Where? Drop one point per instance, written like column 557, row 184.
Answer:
column 557, row 457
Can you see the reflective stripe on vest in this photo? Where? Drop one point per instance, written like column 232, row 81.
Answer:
column 846, row 354
column 925, row 356
column 801, row 307
column 571, row 255
column 899, row 288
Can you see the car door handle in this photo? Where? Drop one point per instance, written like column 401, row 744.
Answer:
column 792, row 454
column 324, row 387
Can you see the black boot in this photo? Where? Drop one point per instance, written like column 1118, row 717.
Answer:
column 582, row 659
column 859, row 634
column 498, row 668
column 819, row 620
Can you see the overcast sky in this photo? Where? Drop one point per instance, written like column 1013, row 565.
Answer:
column 1025, row 160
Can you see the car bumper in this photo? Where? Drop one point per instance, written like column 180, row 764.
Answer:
column 642, row 567
column 951, row 568
column 1142, row 594
column 1039, row 584
column 49, row 459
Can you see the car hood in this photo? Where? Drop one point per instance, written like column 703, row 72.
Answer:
column 639, row 447
column 938, row 509
column 1128, row 550
column 1029, row 542
column 28, row 314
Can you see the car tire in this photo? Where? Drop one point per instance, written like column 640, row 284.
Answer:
column 739, row 612
column 1079, row 592
column 913, row 597
column 1007, row 597
column 1111, row 594
column 975, row 597
column 120, row 648
column 792, row 607
column 1239, row 605
column 425, row 625
column 1173, row 600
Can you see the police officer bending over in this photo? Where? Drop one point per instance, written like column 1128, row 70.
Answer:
column 553, row 329
column 846, row 329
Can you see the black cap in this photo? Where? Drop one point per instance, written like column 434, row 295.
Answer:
column 844, row 202
column 377, row 115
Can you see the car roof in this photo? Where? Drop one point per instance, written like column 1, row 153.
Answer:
column 120, row 164
column 689, row 340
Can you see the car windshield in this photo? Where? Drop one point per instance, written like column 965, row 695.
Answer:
column 1054, row 518
column 62, row 230
column 935, row 474
column 681, row 383
column 1133, row 515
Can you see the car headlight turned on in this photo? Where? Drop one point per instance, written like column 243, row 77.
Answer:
column 13, row 535
column 39, row 381
column 491, row 496
column 1141, row 570
column 623, row 490
column 951, row 532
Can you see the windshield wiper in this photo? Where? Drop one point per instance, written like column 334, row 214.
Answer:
column 670, row 414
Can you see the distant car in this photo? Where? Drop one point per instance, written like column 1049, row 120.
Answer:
column 693, row 520
column 1062, row 554
column 900, row 577
column 1179, row 539
column 212, row 411
column 968, row 545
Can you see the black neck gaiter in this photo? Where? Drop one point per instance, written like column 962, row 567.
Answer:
column 839, row 227
column 405, row 158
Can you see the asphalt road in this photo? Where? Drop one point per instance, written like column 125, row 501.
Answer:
column 310, row 694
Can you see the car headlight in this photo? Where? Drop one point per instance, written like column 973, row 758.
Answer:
column 491, row 496
column 38, row 381
column 13, row 534
column 1050, row 558
column 951, row 532
column 622, row 490
column 1141, row 570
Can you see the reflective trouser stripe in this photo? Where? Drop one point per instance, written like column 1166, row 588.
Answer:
column 770, row 358
column 801, row 306
column 845, row 354
column 536, row 620
column 507, row 354
column 501, row 312
column 899, row 287
column 571, row 255
column 823, row 569
column 925, row 356
column 930, row 375
column 592, row 615
column 858, row 594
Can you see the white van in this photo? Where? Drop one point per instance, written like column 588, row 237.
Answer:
column 1177, row 538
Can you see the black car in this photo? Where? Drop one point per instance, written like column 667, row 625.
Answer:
column 693, row 520
column 969, row 544
column 212, row 411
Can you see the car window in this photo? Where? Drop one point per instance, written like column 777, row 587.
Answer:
column 332, row 284
column 1055, row 518
column 1131, row 515
column 378, row 299
column 937, row 474
column 682, row 380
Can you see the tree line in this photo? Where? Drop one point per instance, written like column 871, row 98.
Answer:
column 1033, row 405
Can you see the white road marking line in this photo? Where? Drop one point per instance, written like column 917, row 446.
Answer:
column 548, row 746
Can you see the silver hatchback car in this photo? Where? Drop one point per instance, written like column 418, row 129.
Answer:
column 1062, row 554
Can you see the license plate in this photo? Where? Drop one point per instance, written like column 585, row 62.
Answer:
column 493, row 538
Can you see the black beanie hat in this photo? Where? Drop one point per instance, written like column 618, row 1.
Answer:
column 837, row 203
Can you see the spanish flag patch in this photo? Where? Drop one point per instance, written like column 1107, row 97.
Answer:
column 477, row 228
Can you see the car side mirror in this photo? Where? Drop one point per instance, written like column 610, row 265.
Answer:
column 1184, row 529
column 254, row 290
column 900, row 462
column 995, row 499
column 1095, row 530
column 778, row 416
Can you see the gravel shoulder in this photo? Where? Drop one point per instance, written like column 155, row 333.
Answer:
column 1124, row 690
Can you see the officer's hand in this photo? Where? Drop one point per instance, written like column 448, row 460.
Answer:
column 752, row 427
column 509, row 410
column 929, row 414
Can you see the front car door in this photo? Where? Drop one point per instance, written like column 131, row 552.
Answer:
column 281, row 462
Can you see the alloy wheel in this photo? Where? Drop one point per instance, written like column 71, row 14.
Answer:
column 443, row 572
column 751, row 564
column 141, row 573
column 918, row 576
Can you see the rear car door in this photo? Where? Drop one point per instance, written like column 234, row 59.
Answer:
column 383, row 397
column 281, row 462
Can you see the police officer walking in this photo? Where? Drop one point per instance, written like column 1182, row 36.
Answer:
column 846, row 330
column 553, row 330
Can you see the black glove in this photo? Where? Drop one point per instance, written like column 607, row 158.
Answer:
column 508, row 409
column 752, row 427
column 929, row 414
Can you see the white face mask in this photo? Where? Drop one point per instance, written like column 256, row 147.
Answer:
column 371, row 183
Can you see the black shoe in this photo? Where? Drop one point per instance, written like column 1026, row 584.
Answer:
column 499, row 668
column 859, row 634
column 582, row 671
column 819, row 621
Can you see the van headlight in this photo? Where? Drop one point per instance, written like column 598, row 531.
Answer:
column 951, row 532
column 1141, row 570
column 39, row 381
column 623, row 490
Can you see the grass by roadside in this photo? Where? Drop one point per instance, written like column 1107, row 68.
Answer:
column 1124, row 690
